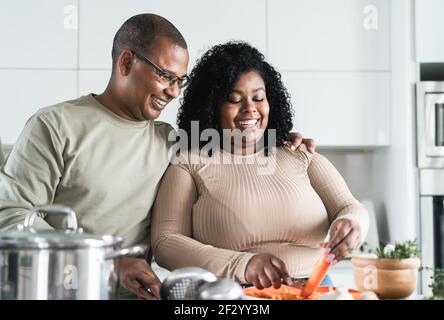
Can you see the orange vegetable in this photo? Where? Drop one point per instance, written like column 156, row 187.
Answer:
column 319, row 272
column 292, row 293
column 283, row 293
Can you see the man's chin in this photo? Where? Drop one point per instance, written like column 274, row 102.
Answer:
column 151, row 114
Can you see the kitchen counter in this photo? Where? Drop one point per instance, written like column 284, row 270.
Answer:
column 341, row 274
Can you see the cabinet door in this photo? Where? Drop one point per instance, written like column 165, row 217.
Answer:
column 38, row 34
column 203, row 23
column 429, row 30
column 23, row 99
column 320, row 35
column 348, row 109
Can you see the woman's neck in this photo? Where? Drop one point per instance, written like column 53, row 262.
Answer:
column 230, row 146
column 244, row 150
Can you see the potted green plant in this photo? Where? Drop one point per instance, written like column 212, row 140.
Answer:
column 391, row 273
column 436, row 283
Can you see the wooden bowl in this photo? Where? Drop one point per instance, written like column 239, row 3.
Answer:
column 388, row 278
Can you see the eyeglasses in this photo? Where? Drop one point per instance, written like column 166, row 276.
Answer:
column 165, row 77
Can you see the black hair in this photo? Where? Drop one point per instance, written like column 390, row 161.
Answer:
column 212, row 80
column 138, row 33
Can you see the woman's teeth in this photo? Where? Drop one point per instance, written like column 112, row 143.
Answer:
column 248, row 123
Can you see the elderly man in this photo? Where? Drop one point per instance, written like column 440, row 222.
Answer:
column 103, row 155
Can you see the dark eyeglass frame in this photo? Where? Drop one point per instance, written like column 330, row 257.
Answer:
column 164, row 75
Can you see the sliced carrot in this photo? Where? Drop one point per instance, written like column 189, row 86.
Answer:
column 291, row 293
column 319, row 272
column 283, row 293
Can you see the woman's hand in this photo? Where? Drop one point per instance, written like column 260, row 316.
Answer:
column 345, row 236
column 265, row 270
column 296, row 139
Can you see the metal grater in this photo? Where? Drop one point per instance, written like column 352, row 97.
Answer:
column 182, row 284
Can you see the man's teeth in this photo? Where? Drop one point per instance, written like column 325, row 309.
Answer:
column 248, row 122
column 161, row 102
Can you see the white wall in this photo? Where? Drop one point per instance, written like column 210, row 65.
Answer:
column 38, row 60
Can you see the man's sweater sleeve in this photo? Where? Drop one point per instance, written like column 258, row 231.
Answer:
column 31, row 173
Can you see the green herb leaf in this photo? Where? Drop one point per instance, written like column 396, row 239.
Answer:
column 403, row 250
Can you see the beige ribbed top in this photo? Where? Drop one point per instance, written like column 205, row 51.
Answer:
column 217, row 216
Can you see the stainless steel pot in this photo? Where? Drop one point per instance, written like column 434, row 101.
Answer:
column 59, row 264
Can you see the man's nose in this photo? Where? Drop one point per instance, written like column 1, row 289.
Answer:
column 173, row 90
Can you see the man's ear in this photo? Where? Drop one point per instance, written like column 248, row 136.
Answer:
column 125, row 62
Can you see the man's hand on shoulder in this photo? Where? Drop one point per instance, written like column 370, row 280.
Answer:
column 295, row 139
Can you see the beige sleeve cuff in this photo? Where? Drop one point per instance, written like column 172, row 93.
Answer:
column 358, row 213
column 242, row 266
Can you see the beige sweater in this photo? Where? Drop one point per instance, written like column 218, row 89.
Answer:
column 217, row 216
column 80, row 154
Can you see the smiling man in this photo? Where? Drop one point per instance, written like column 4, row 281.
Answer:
column 103, row 155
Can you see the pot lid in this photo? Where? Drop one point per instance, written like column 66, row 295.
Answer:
column 25, row 237
column 47, row 239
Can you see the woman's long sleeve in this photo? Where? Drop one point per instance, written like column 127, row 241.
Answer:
column 334, row 193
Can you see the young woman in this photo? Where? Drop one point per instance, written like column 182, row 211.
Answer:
column 256, row 225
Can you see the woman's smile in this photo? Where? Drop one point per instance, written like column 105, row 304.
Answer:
column 248, row 124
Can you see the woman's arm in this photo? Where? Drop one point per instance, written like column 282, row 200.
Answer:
column 172, row 231
column 348, row 217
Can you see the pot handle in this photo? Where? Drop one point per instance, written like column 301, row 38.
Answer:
column 52, row 209
column 131, row 251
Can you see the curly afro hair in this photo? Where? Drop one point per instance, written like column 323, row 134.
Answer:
column 212, row 80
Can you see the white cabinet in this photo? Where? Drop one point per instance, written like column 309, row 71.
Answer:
column 429, row 30
column 28, row 91
column 203, row 23
column 347, row 109
column 335, row 60
column 339, row 35
column 334, row 55
column 38, row 34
